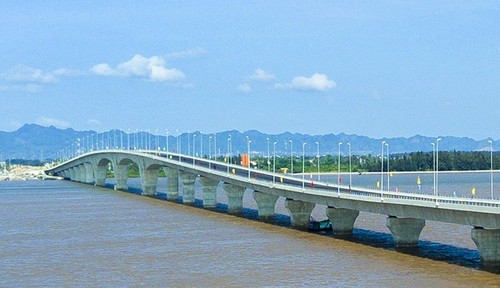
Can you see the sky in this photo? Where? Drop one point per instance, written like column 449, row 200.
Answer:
column 373, row 68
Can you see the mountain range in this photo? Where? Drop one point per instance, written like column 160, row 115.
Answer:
column 33, row 141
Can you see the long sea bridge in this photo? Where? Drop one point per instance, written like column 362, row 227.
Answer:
column 407, row 212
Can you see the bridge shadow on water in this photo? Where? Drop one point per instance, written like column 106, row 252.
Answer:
column 426, row 249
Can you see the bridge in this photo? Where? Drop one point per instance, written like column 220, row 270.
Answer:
column 407, row 212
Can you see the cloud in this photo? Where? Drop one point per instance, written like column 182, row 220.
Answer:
column 26, row 74
column 47, row 121
column 195, row 52
column 152, row 68
column 94, row 122
column 28, row 88
column 244, row 88
column 261, row 75
column 317, row 82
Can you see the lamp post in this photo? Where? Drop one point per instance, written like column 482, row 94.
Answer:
column 268, row 160
column 291, row 157
column 128, row 139
column 230, row 148
column 209, row 147
column 228, row 145
column 248, row 151
column 215, row 146
column 434, row 169
column 201, row 145
column 194, row 146
column 350, row 167
column 303, row 164
column 388, row 169
column 317, row 154
column 382, row 168
column 437, row 168
column 491, row 167
column 189, row 144
column 338, row 172
column 274, row 162
column 166, row 141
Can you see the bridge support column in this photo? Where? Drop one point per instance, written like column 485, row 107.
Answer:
column 209, row 191
column 121, row 176
column 265, row 203
column 300, row 212
column 172, row 183
column 188, row 180
column 405, row 231
column 100, row 175
column 235, row 197
column 149, row 181
column 72, row 174
column 89, row 173
column 488, row 245
column 342, row 220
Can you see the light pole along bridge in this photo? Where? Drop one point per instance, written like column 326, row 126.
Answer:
column 406, row 212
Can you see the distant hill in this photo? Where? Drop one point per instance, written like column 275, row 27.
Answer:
column 33, row 141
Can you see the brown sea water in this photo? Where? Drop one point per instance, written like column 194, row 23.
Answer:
column 58, row 233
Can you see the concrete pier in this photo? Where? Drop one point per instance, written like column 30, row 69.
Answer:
column 172, row 183
column 405, row 231
column 121, row 177
column 209, row 191
column 188, row 180
column 300, row 212
column 235, row 197
column 488, row 245
column 342, row 220
column 149, row 181
column 89, row 173
column 266, row 203
column 100, row 175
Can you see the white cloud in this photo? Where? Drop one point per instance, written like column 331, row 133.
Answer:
column 261, row 75
column 23, row 73
column 152, row 68
column 317, row 82
column 244, row 88
column 94, row 122
column 47, row 121
column 195, row 52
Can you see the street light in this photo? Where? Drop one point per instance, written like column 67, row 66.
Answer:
column 201, row 145
column 274, row 162
column 230, row 149
column 350, row 167
column 194, row 146
column 437, row 167
column 228, row 159
column 166, row 147
column 382, row 168
column 248, row 150
column 317, row 146
column 338, row 172
column 291, row 157
column 434, row 169
column 303, row 163
column 491, row 167
column 209, row 147
column 215, row 146
column 268, row 160
column 128, row 139
column 388, row 169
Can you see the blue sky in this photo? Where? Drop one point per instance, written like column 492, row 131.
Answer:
column 374, row 68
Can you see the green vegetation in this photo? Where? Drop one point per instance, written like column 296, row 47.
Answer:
column 415, row 161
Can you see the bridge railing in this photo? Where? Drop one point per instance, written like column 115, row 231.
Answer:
column 296, row 183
